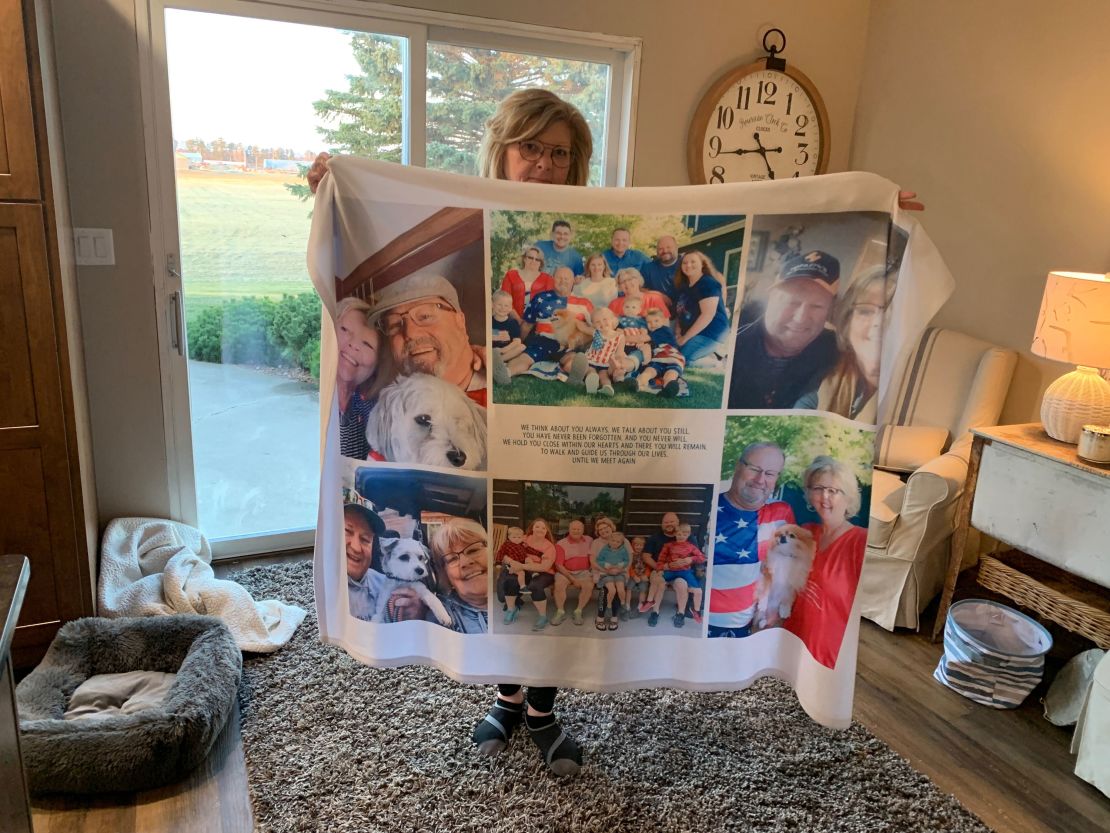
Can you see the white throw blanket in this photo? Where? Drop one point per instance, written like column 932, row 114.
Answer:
column 150, row 567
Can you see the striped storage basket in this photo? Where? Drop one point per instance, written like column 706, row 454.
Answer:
column 993, row 654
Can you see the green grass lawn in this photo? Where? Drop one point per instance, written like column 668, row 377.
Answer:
column 241, row 234
column 706, row 390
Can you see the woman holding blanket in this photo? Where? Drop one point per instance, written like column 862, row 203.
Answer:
column 533, row 137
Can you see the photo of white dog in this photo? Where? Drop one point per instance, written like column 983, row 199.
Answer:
column 423, row 419
column 407, row 563
column 783, row 575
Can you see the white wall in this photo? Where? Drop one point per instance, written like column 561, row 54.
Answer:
column 998, row 113
column 685, row 47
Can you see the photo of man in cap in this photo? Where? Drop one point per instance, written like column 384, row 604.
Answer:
column 788, row 348
column 362, row 531
column 425, row 328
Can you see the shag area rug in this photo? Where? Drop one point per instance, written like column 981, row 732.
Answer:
column 332, row 745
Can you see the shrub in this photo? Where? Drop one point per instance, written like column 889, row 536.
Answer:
column 260, row 331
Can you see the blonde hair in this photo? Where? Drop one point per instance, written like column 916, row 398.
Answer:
column 845, row 383
column 630, row 272
column 453, row 535
column 524, row 115
column 500, row 294
column 685, row 526
column 844, row 477
column 591, row 259
column 524, row 254
column 385, row 368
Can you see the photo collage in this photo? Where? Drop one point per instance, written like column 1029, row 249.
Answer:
column 766, row 331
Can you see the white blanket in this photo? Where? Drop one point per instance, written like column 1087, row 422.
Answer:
column 150, row 567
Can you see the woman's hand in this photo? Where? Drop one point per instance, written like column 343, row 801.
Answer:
column 318, row 171
column 405, row 605
column 907, row 201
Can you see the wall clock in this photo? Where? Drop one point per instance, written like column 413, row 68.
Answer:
column 764, row 120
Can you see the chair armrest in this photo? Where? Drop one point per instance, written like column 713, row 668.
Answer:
column 939, row 481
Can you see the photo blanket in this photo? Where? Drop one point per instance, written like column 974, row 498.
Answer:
column 607, row 438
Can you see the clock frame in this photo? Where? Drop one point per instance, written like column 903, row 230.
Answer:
column 705, row 116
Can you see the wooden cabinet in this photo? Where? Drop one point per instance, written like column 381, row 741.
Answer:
column 41, row 505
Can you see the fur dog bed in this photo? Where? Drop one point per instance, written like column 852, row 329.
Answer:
column 127, row 752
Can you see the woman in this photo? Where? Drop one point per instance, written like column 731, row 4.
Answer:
column 602, row 527
column 597, row 285
column 362, row 370
column 699, row 307
column 631, row 285
column 851, row 387
column 460, row 555
column 527, row 281
column 821, row 610
column 539, row 575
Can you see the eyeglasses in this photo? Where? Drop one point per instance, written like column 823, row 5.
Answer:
column 533, row 257
column 758, row 472
column 825, row 491
column 532, row 150
column 472, row 551
column 422, row 315
column 868, row 311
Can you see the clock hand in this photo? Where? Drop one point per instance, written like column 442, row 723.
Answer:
column 763, row 153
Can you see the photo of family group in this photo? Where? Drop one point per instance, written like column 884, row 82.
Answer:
column 415, row 548
column 791, row 528
column 410, row 326
column 612, row 310
column 599, row 560
column 816, row 298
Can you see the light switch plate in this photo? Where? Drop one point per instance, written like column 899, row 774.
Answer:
column 94, row 247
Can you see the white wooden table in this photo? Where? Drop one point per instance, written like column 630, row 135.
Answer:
column 1034, row 494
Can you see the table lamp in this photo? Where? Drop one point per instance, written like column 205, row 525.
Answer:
column 1074, row 327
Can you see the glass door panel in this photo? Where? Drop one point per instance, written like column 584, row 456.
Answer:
column 466, row 83
column 252, row 101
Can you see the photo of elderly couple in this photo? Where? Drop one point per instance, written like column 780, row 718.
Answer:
column 583, row 315
column 415, row 548
column 790, row 528
column 611, row 559
column 410, row 330
column 817, row 295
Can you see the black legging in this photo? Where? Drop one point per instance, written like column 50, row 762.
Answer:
column 540, row 698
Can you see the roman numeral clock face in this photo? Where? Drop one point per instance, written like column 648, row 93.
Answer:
column 757, row 124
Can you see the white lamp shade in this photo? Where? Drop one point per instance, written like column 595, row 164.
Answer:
column 1074, row 322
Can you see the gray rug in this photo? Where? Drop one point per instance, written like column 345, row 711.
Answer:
column 332, row 745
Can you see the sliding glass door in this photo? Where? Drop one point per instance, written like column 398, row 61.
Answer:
column 241, row 95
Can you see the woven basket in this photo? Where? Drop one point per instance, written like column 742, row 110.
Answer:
column 1074, row 615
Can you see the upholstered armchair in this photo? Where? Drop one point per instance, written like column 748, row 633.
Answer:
column 952, row 382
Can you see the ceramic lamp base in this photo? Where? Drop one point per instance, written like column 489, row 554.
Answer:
column 1074, row 400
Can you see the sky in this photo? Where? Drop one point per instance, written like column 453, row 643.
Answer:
column 252, row 81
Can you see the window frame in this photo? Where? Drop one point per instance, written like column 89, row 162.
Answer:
column 417, row 27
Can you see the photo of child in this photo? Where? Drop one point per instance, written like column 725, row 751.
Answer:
column 514, row 552
column 505, row 327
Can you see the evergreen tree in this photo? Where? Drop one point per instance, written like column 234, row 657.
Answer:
column 465, row 85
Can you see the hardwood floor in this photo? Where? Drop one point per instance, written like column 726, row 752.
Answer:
column 1012, row 768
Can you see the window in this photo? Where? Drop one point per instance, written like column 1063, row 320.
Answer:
column 248, row 93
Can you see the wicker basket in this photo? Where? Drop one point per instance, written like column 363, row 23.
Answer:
column 1074, row 615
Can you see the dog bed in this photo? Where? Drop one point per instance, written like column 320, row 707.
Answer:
column 141, row 750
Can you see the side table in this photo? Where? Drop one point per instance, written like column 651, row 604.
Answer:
column 1034, row 494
